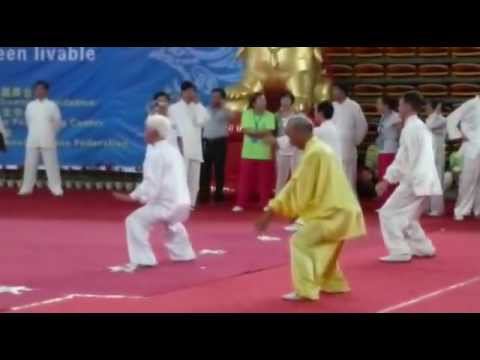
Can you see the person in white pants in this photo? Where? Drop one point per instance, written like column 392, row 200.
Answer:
column 43, row 119
column 287, row 155
column 467, row 118
column 165, row 198
column 437, row 124
column 352, row 126
column 415, row 171
column 190, row 116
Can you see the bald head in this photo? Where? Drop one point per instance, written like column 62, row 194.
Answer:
column 299, row 130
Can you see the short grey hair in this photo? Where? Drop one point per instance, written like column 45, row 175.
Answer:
column 301, row 123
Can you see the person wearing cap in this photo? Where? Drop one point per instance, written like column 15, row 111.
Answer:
column 165, row 197
column 320, row 194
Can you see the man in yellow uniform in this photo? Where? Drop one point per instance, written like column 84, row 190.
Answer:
column 320, row 194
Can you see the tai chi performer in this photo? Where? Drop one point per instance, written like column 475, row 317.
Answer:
column 165, row 196
column 437, row 124
column 415, row 171
column 43, row 120
column 468, row 118
column 319, row 193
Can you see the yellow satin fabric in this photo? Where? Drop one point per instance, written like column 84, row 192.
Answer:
column 320, row 194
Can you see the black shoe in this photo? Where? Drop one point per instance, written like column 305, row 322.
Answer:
column 219, row 198
column 203, row 199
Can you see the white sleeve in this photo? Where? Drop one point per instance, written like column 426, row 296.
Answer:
column 459, row 115
column 28, row 115
column 394, row 174
column 172, row 115
column 419, row 166
column 361, row 125
column 438, row 123
column 202, row 115
column 57, row 116
column 283, row 142
column 150, row 185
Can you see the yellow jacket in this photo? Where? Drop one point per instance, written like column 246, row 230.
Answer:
column 319, row 192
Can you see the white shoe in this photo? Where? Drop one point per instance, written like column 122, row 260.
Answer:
column 292, row 228
column 419, row 254
column 24, row 193
column 57, row 193
column 396, row 258
column 237, row 209
column 292, row 297
column 459, row 218
column 183, row 259
column 434, row 214
column 129, row 268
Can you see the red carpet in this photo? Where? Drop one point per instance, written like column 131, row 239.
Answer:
column 60, row 247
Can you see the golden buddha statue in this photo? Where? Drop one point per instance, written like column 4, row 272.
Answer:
column 298, row 69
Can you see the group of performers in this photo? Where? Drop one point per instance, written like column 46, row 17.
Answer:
column 316, row 165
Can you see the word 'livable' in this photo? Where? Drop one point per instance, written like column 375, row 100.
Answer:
column 48, row 54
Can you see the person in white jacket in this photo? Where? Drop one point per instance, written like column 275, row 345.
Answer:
column 415, row 171
column 437, row 124
column 327, row 131
column 190, row 116
column 467, row 119
column 43, row 119
column 165, row 198
column 352, row 126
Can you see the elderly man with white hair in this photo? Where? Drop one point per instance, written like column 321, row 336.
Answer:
column 166, row 199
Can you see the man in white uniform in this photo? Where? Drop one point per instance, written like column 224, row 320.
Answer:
column 353, row 127
column 43, row 121
column 415, row 171
column 166, row 199
column 467, row 117
column 437, row 124
column 190, row 116
column 327, row 131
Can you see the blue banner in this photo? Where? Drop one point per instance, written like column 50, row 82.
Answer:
column 104, row 94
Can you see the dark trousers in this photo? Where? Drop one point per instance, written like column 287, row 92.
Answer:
column 214, row 153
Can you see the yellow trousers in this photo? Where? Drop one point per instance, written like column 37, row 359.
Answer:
column 314, row 261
